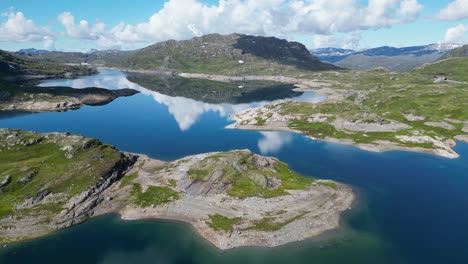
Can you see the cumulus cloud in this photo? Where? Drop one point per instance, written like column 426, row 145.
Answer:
column 456, row 34
column 456, row 10
column 183, row 19
column 80, row 30
column 18, row 28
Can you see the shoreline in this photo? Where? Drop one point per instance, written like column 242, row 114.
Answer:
column 322, row 88
column 194, row 210
column 387, row 146
column 283, row 207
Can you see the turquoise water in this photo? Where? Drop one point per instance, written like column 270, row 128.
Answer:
column 412, row 207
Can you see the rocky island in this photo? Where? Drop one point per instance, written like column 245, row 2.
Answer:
column 237, row 198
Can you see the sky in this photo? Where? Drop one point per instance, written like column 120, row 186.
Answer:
column 356, row 24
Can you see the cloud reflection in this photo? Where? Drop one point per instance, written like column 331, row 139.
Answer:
column 185, row 111
column 273, row 142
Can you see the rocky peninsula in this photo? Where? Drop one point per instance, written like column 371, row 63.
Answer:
column 15, row 97
column 232, row 199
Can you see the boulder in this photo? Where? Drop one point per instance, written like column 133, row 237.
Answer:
column 28, row 177
column 5, row 181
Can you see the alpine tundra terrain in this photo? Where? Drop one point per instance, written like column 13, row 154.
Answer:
column 237, row 198
column 425, row 110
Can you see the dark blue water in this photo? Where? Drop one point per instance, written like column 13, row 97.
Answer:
column 413, row 207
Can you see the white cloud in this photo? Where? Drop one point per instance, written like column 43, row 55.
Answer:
column 456, row 33
column 18, row 28
column 183, row 19
column 82, row 30
column 456, row 10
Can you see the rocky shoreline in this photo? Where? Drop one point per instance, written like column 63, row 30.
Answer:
column 248, row 120
column 56, row 99
column 232, row 199
column 299, row 215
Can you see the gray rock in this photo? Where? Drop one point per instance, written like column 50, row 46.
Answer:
column 5, row 181
column 40, row 196
column 28, row 177
column 81, row 207
column 263, row 162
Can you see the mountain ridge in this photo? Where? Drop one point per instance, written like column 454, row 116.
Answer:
column 234, row 54
column 390, row 58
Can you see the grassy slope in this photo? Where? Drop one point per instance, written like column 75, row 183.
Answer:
column 219, row 54
column 454, row 68
column 387, row 96
column 248, row 183
column 460, row 52
column 11, row 65
column 47, row 160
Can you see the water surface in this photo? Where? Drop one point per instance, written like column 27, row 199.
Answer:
column 412, row 207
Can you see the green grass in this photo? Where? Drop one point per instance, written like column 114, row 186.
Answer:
column 197, row 174
column 270, row 224
column 128, row 179
column 328, row 184
column 153, row 196
column 454, row 69
column 260, row 121
column 248, row 183
column 387, row 96
column 54, row 172
column 172, row 182
column 223, row 223
column 27, row 66
column 317, row 130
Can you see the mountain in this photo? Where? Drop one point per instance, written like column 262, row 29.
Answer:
column 95, row 57
column 31, row 51
column 233, row 54
column 391, row 58
column 458, row 52
column 332, row 55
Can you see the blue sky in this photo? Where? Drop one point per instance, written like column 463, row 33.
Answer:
column 55, row 24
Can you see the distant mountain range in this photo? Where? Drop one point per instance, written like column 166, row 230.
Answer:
column 391, row 58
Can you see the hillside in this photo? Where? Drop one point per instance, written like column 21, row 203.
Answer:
column 454, row 69
column 95, row 57
column 392, row 63
column 459, row 52
column 11, row 65
column 233, row 54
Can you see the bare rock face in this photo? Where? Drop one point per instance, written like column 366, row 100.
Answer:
column 81, row 207
column 262, row 162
